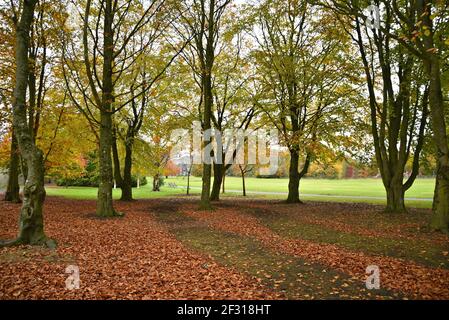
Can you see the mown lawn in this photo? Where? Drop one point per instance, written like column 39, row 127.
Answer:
column 422, row 188
column 350, row 190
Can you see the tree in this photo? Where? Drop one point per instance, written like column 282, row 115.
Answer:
column 398, row 121
column 304, row 68
column 142, row 79
column 201, row 21
column 31, row 225
column 95, row 91
column 233, row 105
column 244, row 169
column 420, row 27
column 7, row 67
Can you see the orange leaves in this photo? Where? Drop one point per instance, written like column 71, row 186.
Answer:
column 129, row 258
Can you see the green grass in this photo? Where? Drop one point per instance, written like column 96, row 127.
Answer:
column 89, row 193
column 323, row 190
column 344, row 190
column 422, row 188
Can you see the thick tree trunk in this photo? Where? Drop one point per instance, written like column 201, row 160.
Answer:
column 218, row 179
column 13, row 188
column 293, row 178
column 395, row 198
column 431, row 59
column 127, row 190
column 156, row 182
column 440, row 217
column 104, row 201
column 31, row 224
column 207, row 167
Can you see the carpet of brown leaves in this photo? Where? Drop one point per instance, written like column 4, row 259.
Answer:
column 404, row 276
column 137, row 257
column 125, row 258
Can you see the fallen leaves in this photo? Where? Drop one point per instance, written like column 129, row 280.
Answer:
column 396, row 274
column 129, row 258
column 137, row 257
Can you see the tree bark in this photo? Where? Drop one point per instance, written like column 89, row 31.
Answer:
column 431, row 59
column 13, row 188
column 156, row 183
column 218, row 179
column 115, row 157
column 188, row 179
column 207, row 167
column 31, row 224
column 127, row 190
column 395, row 197
column 295, row 175
column 440, row 217
column 104, row 201
column 293, row 178
column 242, row 171
column 223, row 183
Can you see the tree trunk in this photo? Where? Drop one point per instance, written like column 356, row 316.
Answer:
column 243, row 182
column 104, row 202
column 127, row 190
column 188, row 180
column 13, row 188
column 293, row 178
column 31, row 224
column 156, row 182
column 117, row 170
column 395, row 198
column 223, row 184
column 218, row 178
column 23, row 167
column 32, row 93
column 440, row 217
column 431, row 59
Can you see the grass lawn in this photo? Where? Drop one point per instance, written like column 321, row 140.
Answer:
column 350, row 190
column 87, row 193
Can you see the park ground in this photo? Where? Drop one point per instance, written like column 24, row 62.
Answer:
column 166, row 248
column 368, row 190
